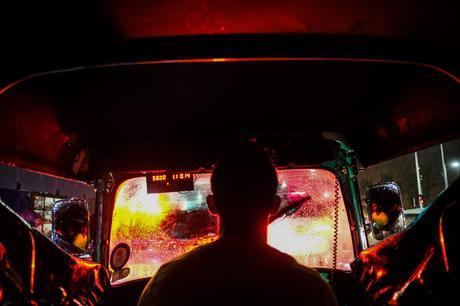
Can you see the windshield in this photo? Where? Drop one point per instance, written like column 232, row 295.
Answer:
column 158, row 227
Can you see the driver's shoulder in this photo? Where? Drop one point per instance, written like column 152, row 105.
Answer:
column 186, row 260
column 293, row 267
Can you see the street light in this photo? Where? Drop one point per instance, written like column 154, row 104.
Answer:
column 455, row 165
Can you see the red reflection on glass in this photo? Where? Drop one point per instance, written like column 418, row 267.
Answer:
column 32, row 263
column 443, row 246
column 415, row 276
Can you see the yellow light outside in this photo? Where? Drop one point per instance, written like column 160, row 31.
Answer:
column 141, row 213
column 301, row 235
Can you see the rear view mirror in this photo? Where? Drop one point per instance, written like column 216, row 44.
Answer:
column 385, row 209
column 70, row 229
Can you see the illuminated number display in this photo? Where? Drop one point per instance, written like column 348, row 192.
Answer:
column 169, row 182
column 159, row 178
column 181, row 176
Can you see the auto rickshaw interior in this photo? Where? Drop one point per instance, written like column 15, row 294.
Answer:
column 146, row 135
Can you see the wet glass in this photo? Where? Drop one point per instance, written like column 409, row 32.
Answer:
column 159, row 227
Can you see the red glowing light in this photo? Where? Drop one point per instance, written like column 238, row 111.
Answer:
column 416, row 275
column 32, row 128
column 192, row 17
column 82, row 267
column 32, row 263
column 443, row 246
column 442, row 71
column 380, row 273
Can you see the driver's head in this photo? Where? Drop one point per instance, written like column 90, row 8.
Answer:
column 244, row 184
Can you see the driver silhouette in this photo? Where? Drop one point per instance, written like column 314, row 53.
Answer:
column 239, row 268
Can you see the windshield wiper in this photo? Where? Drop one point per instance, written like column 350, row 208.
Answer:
column 289, row 209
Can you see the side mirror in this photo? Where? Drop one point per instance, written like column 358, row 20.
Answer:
column 70, row 228
column 385, row 209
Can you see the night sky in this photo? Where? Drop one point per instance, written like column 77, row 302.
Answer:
column 402, row 171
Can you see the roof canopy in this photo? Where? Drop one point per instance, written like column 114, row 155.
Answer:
column 178, row 113
column 106, row 115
